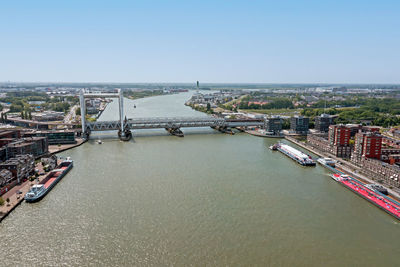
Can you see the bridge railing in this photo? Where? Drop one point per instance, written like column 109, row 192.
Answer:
column 172, row 122
column 175, row 119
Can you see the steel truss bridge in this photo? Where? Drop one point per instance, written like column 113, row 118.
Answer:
column 172, row 124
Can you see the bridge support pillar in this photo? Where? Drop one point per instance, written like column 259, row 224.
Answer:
column 224, row 129
column 175, row 132
column 86, row 133
column 125, row 135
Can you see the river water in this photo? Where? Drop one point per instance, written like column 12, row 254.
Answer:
column 205, row 199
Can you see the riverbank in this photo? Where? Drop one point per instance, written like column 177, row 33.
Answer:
column 133, row 95
column 345, row 166
column 17, row 193
column 54, row 149
column 257, row 133
column 102, row 108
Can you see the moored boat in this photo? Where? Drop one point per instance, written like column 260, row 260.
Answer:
column 377, row 188
column 264, row 133
column 37, row 192
column 339, row 177
column 386, row 204
column 327, row 162
column 296, row 155
column 274, row 147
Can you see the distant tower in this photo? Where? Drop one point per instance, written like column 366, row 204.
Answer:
column 198, row 84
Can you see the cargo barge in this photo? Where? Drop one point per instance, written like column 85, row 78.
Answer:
column 37, row 192
column 294, row 154
column 375, row 198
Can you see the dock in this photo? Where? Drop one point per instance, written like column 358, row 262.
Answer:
column 54, row 149
column 257, row 133
column 17, row 198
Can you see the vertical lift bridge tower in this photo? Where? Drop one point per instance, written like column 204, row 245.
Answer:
column 124, row 132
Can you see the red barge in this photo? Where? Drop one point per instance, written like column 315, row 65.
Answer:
column 378, row 200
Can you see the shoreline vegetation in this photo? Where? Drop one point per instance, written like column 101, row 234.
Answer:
column 376, row 109
column 142, row 94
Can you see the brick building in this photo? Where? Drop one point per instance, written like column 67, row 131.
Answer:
column 339, row 135
column 381, row 171
column 368, row 145
column 391, row 142
column 339, row 140
column 21, row 166
column 36, row 146
column 319, row 141
column 5, row 177
column 386, row 153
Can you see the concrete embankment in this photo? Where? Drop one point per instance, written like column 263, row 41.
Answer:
column 54, row 149
column 256, row 133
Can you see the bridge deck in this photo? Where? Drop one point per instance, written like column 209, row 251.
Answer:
column 177, row 122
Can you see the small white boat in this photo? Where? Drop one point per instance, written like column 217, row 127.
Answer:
column 340, row 177
column 327, row 162
column 99, row 142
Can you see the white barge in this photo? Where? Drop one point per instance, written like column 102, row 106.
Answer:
column 296, row 155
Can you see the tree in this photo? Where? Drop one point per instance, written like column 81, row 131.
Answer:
column 15, row 108
column 30, row 115
column 286, row 124
column 208, row 106
column 1, row 201
column 22, row 114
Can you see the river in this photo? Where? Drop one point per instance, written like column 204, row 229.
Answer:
column 205, row 199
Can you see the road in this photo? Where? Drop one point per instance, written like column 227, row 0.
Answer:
column 71, row 116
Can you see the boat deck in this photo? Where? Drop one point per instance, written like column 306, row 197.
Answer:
column 372, row 196
column 53, row 178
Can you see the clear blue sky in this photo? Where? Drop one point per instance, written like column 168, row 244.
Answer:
column 210, row 41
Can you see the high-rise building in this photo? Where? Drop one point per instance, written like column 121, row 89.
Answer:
column 299, row 124
column 368, row 145
column 323, row 122
column 339, row 135
column 339, row 140
column 273, row 125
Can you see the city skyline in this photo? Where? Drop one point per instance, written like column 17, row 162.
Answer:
column 213, row 42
